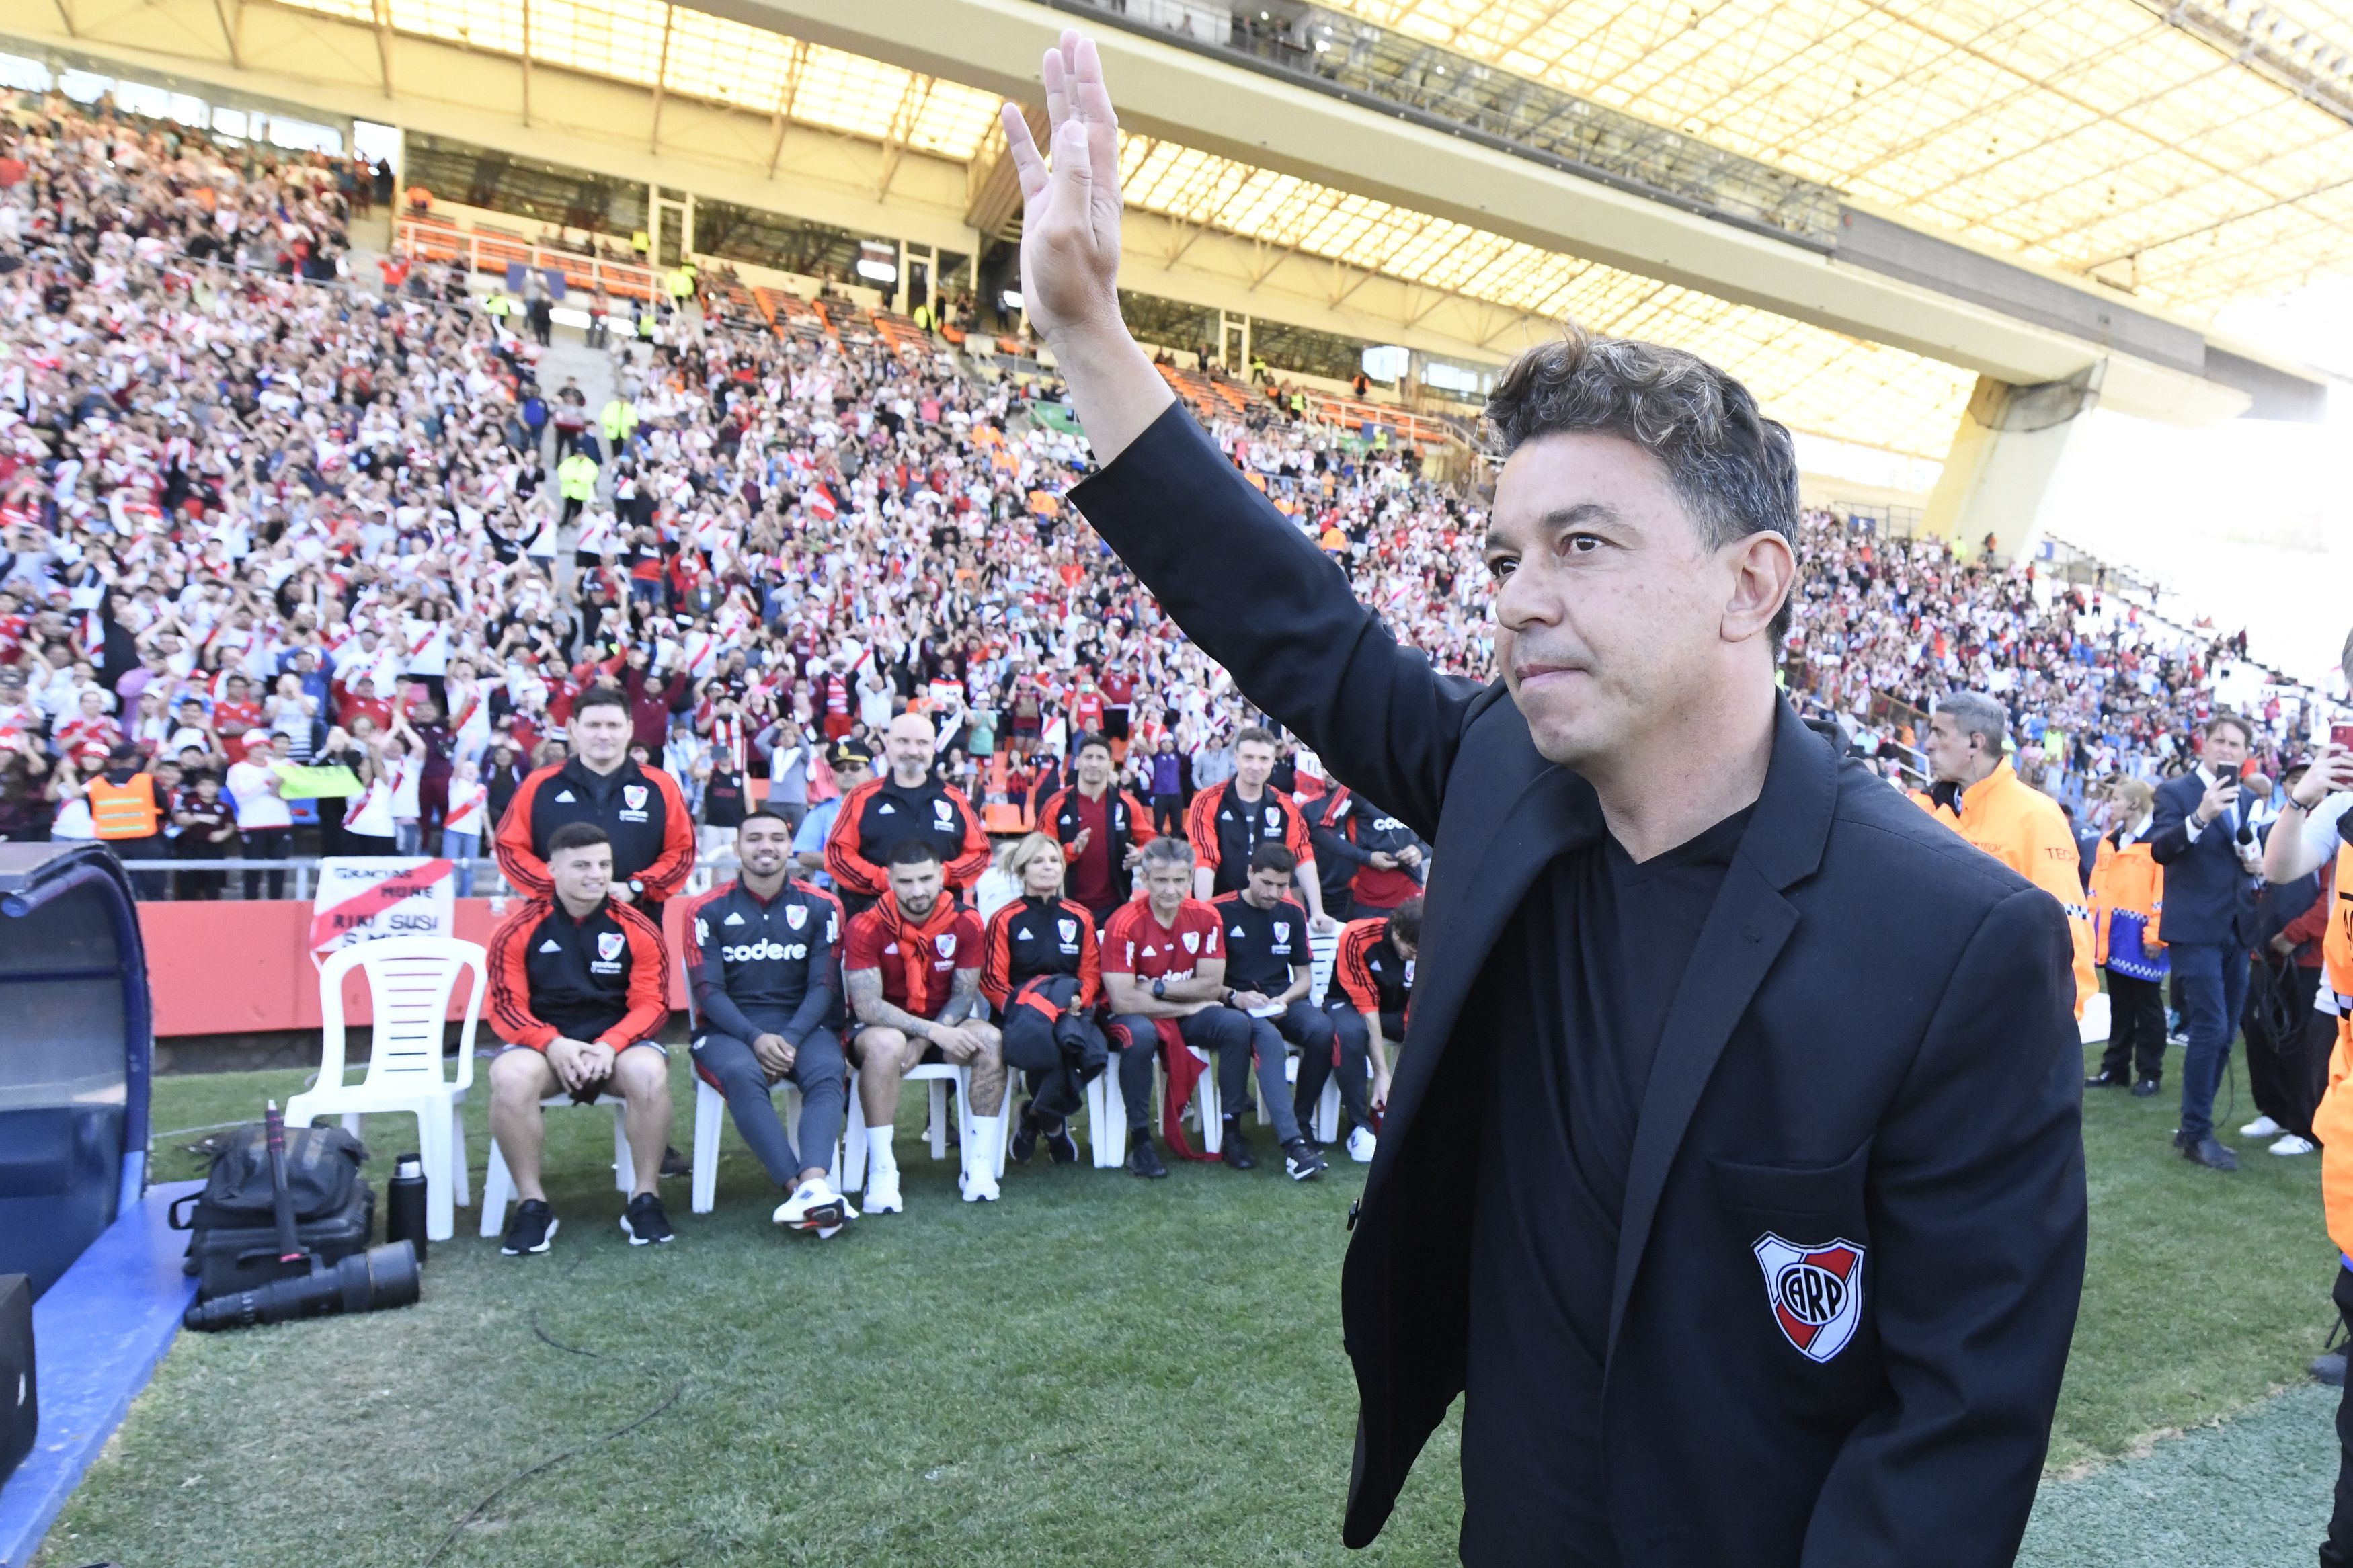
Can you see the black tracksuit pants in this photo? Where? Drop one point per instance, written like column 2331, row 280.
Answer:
column 1225, row 1036
column 1355, row 1065
column 1058, row 1056
column 2336, row 1552
column 2136, row 1029
column 819, row 1072
column 2287, row 1059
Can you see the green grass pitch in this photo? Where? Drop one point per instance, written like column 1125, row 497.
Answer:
column 1094, row 1371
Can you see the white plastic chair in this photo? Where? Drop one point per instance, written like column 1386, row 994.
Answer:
column 498, row 1187
column 1323, row 954
column 1107, row 1111
column 409, row 983
column 711, row 1113
column 940, row 1078
column 709, row 1126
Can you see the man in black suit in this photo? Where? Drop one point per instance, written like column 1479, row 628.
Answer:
column 2202, row 832
column 1733, row 1170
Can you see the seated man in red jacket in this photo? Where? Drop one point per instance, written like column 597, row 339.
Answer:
column 577, row 991
column 912, row 967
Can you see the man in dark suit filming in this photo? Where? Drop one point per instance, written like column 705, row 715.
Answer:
column 2203, row 833
column 1732, row 1171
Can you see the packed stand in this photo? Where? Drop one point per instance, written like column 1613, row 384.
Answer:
column 369, row 537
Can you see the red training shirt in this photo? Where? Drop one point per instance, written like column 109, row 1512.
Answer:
column 882, row 938
column 1136, row 944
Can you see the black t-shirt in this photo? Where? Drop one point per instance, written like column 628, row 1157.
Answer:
column 1582, row 987
column 1262, row 946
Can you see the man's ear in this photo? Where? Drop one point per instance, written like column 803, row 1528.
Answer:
column 1764, row 575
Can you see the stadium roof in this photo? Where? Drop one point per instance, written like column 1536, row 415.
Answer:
column 2093, row 136
column 1811, row 379
column 696, row 54
column 2196, row 153
column 1864, row 394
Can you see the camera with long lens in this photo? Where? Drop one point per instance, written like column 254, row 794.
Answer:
column 282, row 1279
column 368, row 1282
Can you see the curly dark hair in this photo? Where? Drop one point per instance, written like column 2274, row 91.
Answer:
column 1736, row 470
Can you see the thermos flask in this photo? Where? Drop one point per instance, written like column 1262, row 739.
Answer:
column 403, row 1218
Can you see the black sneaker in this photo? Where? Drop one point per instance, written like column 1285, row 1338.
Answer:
column 1237, row 1148
column 674, row 1163
column 2144, row 1088
column 1141, row 1158
column 1025, row 1135
column 2104, row 1080
column 1061, row 1145
column 529, row 1229
column 1301, row 1162
column 2208, row 1152
column 644, row 1222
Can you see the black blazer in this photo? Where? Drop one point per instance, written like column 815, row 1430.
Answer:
column 1875, row 1043
column 2208, row 897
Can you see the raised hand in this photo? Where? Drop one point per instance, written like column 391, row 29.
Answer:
column 1070, row 251
column 1070, row 224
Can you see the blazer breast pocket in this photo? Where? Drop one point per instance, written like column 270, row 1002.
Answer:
column 1830, row 1195
column 1806, row 1229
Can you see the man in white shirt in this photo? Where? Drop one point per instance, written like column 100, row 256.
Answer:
column 264, row 823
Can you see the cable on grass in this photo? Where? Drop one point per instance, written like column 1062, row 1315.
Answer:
column 677, row 1390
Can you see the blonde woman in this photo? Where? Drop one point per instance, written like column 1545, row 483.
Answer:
column 2127, row 891
column 1040, row 970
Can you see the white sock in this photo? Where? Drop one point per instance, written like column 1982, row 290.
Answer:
column 880, row 1159
column 981, row 1140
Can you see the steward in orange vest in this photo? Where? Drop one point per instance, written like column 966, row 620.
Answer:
column 2300, row 839
column 127, row 810
column 123, row 804
column 2127, row 896
column 2025, row 830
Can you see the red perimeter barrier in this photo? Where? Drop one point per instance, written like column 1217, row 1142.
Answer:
column 236, row 967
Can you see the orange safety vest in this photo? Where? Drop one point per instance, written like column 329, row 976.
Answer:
column 2332, row 1123
column 2025, row 830
column 124, row 810
column 2129, row 882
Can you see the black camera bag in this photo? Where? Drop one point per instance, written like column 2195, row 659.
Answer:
column 234, row 1242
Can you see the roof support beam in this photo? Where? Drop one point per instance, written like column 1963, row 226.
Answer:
column 786, row 91
column 1187, row 97
column 662, row 74
column 384, row 43
column 229, row 30
column 995, row 207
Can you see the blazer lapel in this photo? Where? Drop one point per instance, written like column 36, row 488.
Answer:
column 1738, row 945
column 1471, row 896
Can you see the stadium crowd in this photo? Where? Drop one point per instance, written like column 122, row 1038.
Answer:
column 293, row 559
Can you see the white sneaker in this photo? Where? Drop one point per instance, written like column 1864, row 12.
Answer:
column 828, row 1231
column 882, row 1192
column 1361, row 1144
column 2262, row 1127
column 2292, row 1145
column 977, row 1187
column 813, row 1206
